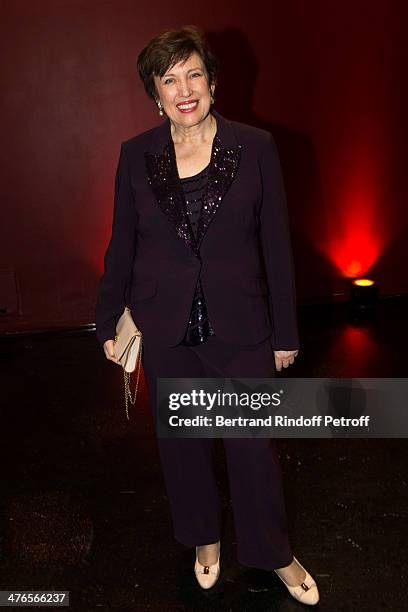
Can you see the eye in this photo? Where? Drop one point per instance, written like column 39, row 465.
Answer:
column 167, row 80
column 196, row 74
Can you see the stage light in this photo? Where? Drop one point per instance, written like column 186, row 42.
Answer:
column 363, row 282
column 363, row 296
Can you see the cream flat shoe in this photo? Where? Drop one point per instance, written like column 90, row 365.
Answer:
column 207, row 575
column 307, row 592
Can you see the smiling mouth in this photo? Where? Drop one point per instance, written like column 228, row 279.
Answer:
column 185, row 107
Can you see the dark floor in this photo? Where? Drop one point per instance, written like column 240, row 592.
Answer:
column 84, row 507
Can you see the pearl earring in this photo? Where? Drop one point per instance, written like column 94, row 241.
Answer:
column 159, row 104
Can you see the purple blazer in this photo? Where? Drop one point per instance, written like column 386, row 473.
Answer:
column 242, row 249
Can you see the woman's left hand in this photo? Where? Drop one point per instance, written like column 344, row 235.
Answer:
column 284, row 358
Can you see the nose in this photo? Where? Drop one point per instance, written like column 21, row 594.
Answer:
column 184, row 88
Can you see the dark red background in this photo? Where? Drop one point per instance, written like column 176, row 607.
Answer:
column 327, row 78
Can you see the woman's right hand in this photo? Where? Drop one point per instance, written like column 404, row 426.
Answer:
column 109, row 352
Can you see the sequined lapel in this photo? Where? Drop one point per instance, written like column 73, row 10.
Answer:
column 164, row 179
column 223, row 168
column 165, row 182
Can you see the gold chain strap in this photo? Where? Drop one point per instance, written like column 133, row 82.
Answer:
column 126, row 376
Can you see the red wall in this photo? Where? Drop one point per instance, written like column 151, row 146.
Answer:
column 327, row 78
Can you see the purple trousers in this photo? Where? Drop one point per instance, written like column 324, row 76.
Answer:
column 253, row 466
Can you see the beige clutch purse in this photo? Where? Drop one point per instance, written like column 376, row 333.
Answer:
column 127, row 349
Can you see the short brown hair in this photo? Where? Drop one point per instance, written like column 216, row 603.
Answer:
column 169, row 48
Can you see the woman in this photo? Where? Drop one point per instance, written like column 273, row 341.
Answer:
column 200, row 250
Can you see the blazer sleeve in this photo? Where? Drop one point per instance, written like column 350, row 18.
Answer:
column 118, row 259
column 277, row 251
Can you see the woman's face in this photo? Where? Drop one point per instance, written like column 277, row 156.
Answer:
column 182, row 84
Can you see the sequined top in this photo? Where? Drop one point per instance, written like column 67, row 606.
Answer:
column 199, row 328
